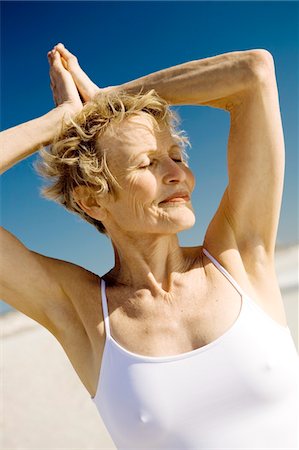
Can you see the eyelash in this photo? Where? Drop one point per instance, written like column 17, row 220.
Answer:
column 174, row 159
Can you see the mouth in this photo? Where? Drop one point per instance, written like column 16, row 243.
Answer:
column 177, row 198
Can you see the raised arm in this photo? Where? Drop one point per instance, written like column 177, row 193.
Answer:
column 30, row 282
column 244, row 84
column 215, row 81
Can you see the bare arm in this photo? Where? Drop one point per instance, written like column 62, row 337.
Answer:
column 244, row 84
column 25, row 139
column 215, row 81
column 30, row 282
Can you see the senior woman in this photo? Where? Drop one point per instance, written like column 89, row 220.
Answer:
column 179, row 348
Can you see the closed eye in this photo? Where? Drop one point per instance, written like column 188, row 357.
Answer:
column 151, row 163
column 147, row 165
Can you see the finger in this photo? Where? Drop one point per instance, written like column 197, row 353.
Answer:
column 64, row 63
column 56, row 60
column 68, row 61
column 84, row 84
column 49, row 56
column 52, row 79
column 53, row 59
column 65, row 53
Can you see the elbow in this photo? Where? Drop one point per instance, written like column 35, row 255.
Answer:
column 263, row 56
column 262, row 65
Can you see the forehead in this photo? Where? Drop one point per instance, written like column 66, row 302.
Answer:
column 135, row 135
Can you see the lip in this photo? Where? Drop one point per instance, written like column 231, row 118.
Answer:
column 177, row 197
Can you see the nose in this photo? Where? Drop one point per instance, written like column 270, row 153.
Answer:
column 173, row 172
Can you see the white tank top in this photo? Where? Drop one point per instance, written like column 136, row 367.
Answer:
column 240, row 391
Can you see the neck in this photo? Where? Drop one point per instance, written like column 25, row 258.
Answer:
column 148, row 261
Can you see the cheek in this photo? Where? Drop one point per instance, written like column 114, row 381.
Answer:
column 141, row 193
column 142, row 188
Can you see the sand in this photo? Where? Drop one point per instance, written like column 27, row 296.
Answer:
column 44, row 405
column 43, row 402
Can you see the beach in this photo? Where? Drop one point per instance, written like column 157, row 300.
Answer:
column 43, row 402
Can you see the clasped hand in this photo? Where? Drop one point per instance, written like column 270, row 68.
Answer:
column 70, row 85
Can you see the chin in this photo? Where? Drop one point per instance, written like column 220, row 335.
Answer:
column 186, row 226
column 181, row 220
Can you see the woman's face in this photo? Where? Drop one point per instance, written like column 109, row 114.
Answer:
column 147, row 163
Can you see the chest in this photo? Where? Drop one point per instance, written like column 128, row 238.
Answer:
column 205, row 305
column 202, row 308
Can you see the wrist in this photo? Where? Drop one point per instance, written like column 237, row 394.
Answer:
column 50, row 123
column 23, row 140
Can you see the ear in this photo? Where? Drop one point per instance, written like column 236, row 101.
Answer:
column 89, row 202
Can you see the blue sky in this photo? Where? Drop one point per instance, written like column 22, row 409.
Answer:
column 120, row 41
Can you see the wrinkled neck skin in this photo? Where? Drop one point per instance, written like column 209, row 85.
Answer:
column 148, row 261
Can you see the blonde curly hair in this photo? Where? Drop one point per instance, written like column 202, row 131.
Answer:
column 75, row 157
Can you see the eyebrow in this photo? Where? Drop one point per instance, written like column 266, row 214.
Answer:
column 150, row 151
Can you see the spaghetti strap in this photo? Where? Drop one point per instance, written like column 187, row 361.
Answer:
column 225, row 272
column 105, row 308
